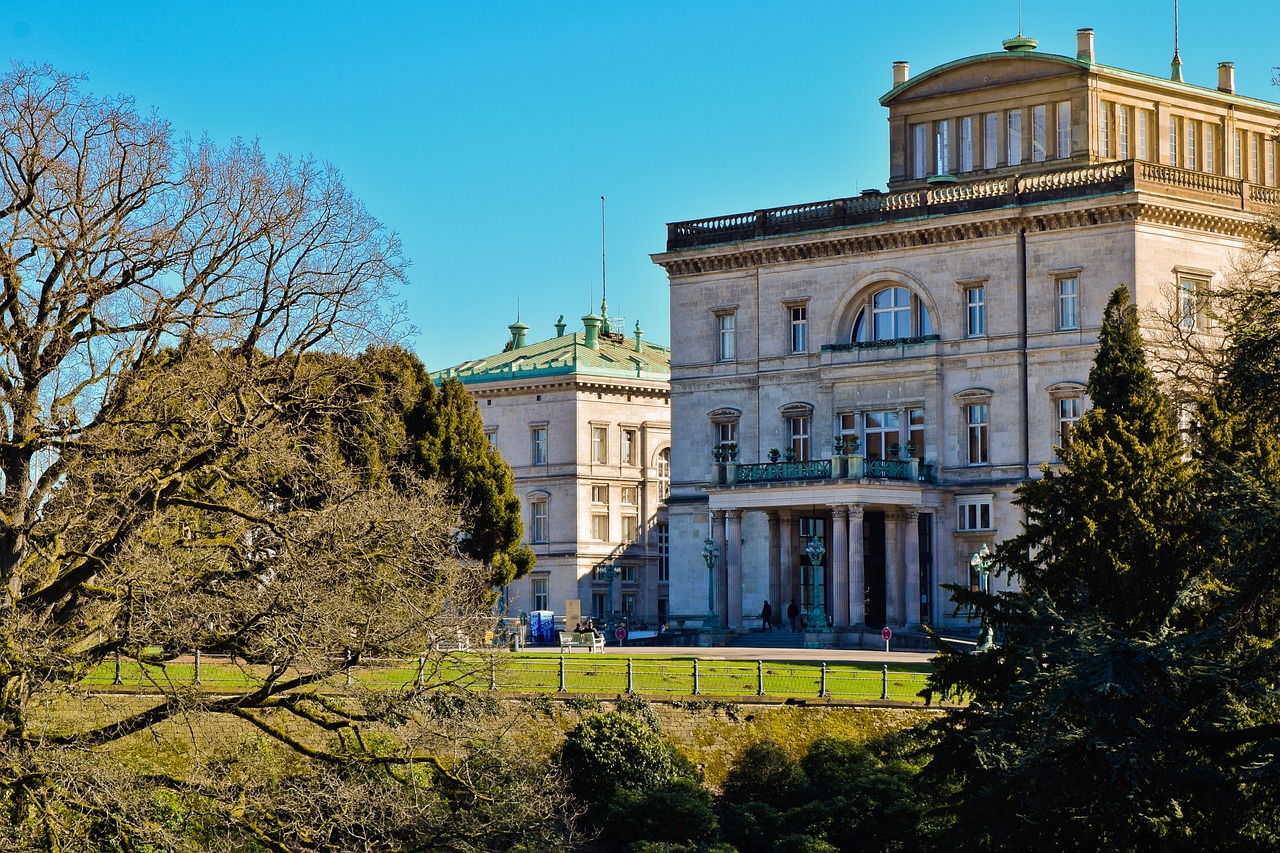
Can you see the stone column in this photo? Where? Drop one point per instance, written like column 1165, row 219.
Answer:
column 734, row 567
column 839, row 563
column 892, row 569
column 911, row 561
column 717, row 528
column 776, row 595
column 857, row 572
column 789, row 584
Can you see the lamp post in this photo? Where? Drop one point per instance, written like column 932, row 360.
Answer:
column 711, row 556
column 981, row 563
column 818, row 614
column 608, row 571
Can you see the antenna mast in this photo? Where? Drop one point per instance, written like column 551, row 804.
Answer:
column 604, row 293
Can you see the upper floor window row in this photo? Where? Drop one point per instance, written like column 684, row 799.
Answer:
column 990, row 140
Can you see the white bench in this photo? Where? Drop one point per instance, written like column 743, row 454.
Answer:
column 570, row 640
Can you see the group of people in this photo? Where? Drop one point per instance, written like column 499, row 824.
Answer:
column 766, row 616
column 587, row 626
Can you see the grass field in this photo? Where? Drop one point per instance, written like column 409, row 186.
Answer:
column 659, row 677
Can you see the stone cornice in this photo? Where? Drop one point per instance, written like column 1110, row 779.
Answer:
column 520, row 388
column 956, row 228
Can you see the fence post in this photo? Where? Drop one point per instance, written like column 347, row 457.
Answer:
column 493, row 674
column 696, row 690
column 117, row 679
column 884, row 683
column 562, row 687
column 196, row 679
column 631, row 679
column 822, row 688
column 422, row 670
column 759, row 678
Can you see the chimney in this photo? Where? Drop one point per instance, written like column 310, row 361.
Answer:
column 591, row 325
column 1227, row 77
column 639, row 335
column 560, row 327
column 517, row 330
column 1084, row 44
column 901, row 71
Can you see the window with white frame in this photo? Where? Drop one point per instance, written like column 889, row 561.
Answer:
column 600, row 526
column 627, row 446
column 1014, row 138
column 664, row 474
column 1210, row 161
column 942, row 147
column 881, row 432
column 975, row 297
column 1190, row 290
column 538, row 521
column 966, row 144
column 1104, row 129
column 847, row 429
column 538, row 593
column 627, row 495
column 895, row 312
column 799, row 429
column 491, row 436
column 1069, row 410
column 1039, row 135
column 1068, row 287
column 1122, row 132
column 630, row 528
column 662, row 535
column 977, row 415
column 628, row 573
column 539, row 436
column 726, row 433
column 1271, row 163
column 974, row 513
column 915, row 432
column 1254, row 145
column 799, row 328
column 599, row 445
column 1237, row 154
column 1064, row 130
column 1192, row 127
column 1144, row 135
column 1173, row 140
column 919, row 150
column 991, row 141
column 600, row 493
column 727, row 344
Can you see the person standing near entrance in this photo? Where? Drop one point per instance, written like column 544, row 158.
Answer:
column 793, row 613
column 766, row 617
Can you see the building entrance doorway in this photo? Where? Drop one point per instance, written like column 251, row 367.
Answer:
column 873, row 566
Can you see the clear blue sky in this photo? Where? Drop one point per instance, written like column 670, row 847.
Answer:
column 485, row 133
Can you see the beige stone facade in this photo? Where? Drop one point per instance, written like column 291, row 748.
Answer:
column 947, row 325
column 584, row 421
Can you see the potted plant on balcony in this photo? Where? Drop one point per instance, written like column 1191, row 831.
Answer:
column 717, row 453
column 773, row 454
column 909, row 450
column 789, row 454
column 732, row 449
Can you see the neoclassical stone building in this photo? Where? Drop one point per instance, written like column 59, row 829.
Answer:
column 920, row 352
column 584, row 421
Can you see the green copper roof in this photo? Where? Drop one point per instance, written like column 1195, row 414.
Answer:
column 564, row 356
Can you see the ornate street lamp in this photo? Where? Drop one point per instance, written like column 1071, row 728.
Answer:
column 711, row 556
column 818, row 614
column 981, row 563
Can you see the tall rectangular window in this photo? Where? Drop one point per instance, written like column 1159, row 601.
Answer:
column 966, row 144
column 1069, row 303
column 726, row 432
column 919, row 150
column 977, row 429
column 800, row 437
column 991, row 141
column 799, row 328
column 1015, row 138
column 1068, row 413
column 1188, row 304
column 1039, row 135
column 539, row 435
column 724, row 323
column 1104, row 129
column 627, row 447
column 849, row 431
column 1173, row 140
column 538, row 521
column 1144, row 135
column 1210, row 160
column 942, row 148
column 599, row 445
column 1122, row 132
column 1271, row 163
column 1254, row 173
column 538, row 593
column 600, row 527
column 1237, row 154
column 1064, row 130
column 881, row 431
column 1192, row 132
column 976, row 304
column 630, row 528
column 663, row 535
column 915, row 431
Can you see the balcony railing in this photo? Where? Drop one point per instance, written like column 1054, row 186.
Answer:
column 986, row 194
column 836, row 469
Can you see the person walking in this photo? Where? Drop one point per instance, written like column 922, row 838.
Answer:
column 766, row 617
column 793, row 613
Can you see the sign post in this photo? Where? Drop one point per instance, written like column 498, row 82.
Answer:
column 621, row 633
column 886, row 633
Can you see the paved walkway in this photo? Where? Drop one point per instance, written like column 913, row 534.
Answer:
column 746, row 653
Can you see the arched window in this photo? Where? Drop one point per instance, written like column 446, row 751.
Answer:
column 664, row 473
column 894, row 312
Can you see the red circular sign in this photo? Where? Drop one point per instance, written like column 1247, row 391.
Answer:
column 620, row 632
column 886, row 633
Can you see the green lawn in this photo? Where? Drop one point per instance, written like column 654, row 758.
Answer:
column 668, row 677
